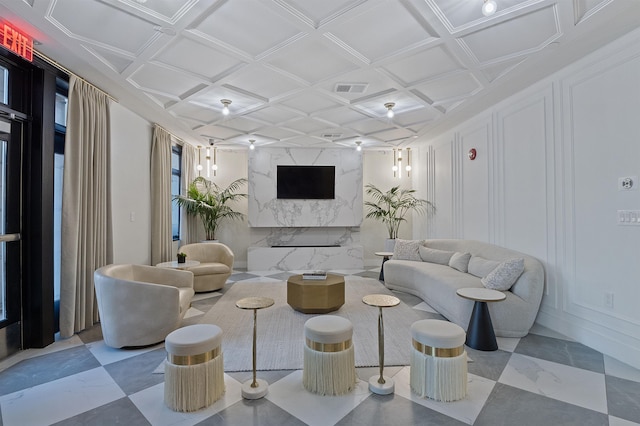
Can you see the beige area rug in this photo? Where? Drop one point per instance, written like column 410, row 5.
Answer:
column 280, row 328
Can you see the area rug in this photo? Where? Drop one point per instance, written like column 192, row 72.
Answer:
column 280, row 328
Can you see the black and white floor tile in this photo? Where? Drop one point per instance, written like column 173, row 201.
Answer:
column 541, row 379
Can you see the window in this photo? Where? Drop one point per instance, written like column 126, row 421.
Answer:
column 176, row 174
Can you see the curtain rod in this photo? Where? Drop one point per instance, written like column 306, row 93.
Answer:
column 66, row 70
column 170, row 134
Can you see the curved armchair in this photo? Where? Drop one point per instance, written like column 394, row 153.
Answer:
column 216, row 265
column 139, row 304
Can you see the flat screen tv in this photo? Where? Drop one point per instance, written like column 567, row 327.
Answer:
column 306, row 182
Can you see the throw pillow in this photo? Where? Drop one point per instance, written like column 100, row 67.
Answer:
column 407, row 250
column 460, row 261
column 480, row 267
column 505, row 275
column 430, row 255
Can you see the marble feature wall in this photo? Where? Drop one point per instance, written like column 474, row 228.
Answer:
column 304, row 258
column 304, row 237
column 265, row 210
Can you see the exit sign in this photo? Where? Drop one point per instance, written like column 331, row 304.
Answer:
column 16, row 41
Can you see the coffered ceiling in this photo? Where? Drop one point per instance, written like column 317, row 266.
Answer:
column 311, row 73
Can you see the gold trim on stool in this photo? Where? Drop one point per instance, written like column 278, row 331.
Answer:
column 438, row 352
column 328, row 347
column 193, row 359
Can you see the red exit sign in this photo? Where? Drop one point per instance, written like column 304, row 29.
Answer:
column 16, row 41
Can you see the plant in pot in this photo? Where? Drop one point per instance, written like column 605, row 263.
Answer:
column 391, row 207
column 182, row 257
column 208, row 201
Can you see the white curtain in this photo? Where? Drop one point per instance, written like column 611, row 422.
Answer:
column 87, row 242
column 189, row 225
column 161, row 236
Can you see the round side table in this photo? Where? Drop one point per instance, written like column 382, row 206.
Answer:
column 385, row 256
column 480, row 334
column 381, row 385
column 255, row 388
column 175, row 265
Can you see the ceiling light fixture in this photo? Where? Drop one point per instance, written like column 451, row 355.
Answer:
column 199, row 166
column 211, row 166
column 358, row 147
column 252, row 146
column 225, row 108
column 397, row 162
column 389, row 106
column 489, row 7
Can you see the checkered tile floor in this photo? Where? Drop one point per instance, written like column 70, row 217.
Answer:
column 541, row 379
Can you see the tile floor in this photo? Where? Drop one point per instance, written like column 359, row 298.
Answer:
column 541, row 379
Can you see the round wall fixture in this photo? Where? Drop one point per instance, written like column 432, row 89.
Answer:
column 472, row 154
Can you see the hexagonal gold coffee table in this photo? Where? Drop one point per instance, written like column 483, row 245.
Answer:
column 315, row 296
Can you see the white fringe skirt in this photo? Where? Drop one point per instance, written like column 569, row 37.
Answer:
column 192, row 387
column 329, row 373
column 439, row 378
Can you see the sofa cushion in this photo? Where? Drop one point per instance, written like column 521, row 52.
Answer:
column 481, row 267
column 460, row 261
column 430, row 255
column 210, row 268
column 505, row 275
column 407, row 249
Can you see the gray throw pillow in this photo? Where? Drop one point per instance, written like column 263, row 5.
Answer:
column 430, row 255
column 505, row 275
column 407, row 250
column 460, row 261
column 481, row 267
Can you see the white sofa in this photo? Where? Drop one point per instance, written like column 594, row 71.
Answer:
column 437, row 283
column 139, row 304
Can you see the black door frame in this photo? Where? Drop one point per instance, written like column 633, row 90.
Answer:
column 32, row 96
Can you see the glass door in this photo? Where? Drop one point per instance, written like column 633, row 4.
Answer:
column 10, row 221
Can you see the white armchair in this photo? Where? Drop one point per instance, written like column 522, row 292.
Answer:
column 139, row 304
column 216, row 265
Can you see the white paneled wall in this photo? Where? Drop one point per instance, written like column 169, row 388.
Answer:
column 545, row 183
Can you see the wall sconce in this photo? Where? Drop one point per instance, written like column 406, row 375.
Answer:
column 408, row 166
column 358, row 147
column 225, row 108
column 251, row 145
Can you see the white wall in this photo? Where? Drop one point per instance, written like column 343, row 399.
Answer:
column 545, row 183
column 130, row 186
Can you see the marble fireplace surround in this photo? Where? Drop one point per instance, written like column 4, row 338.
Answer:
column 304, row 234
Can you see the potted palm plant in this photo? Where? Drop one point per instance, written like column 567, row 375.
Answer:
column 391, row 207
column 208, row 201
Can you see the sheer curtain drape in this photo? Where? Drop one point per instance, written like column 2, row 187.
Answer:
column 87, row 242
column 189, row 225
column 161, row 236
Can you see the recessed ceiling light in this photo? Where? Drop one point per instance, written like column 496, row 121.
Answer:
column 489, row 7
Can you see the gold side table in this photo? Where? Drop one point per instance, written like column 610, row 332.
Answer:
column 381, row 385
column 256, row 388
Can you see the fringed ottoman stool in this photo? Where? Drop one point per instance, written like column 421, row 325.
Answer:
column 193, row 371
column 438, row 360
column 329, row 357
